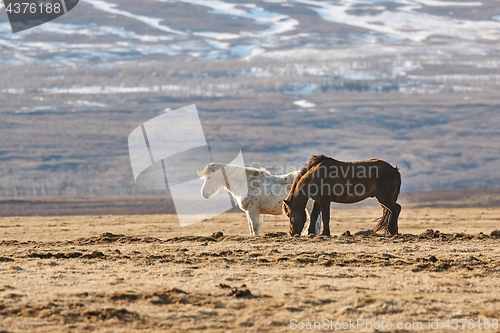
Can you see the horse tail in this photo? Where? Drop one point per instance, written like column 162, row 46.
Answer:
column 383, row 222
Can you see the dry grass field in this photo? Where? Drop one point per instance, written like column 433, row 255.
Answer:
column 143, row 272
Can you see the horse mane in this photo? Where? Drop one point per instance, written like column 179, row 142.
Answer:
column 313, row 161
column 212, row 167
column 205, row 171
column 257, row 172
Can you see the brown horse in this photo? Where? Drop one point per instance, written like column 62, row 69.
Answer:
column 325, row 179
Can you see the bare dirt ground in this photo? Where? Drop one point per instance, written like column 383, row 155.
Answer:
column 144, row 272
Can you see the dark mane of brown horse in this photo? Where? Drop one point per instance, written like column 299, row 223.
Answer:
column 313, row 161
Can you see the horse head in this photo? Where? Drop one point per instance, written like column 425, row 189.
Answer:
column 212, row 183
column 297, row 217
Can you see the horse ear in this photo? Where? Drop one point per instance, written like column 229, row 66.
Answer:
column 212, row 168
column 286, row 202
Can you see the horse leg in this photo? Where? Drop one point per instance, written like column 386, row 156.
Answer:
column 325, row 214
column 314, row 219
column 318, row 225
column 389, row 220
column 250, row 224
column 309, row 209
column 253, row 221
column 393, row 224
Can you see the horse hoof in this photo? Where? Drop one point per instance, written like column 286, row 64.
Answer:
column 326, row 235
column 393, row 232
column 310, row 235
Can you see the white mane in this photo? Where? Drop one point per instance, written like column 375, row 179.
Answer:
column 229, row 169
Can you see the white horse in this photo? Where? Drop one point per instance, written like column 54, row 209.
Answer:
column 263, row 192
